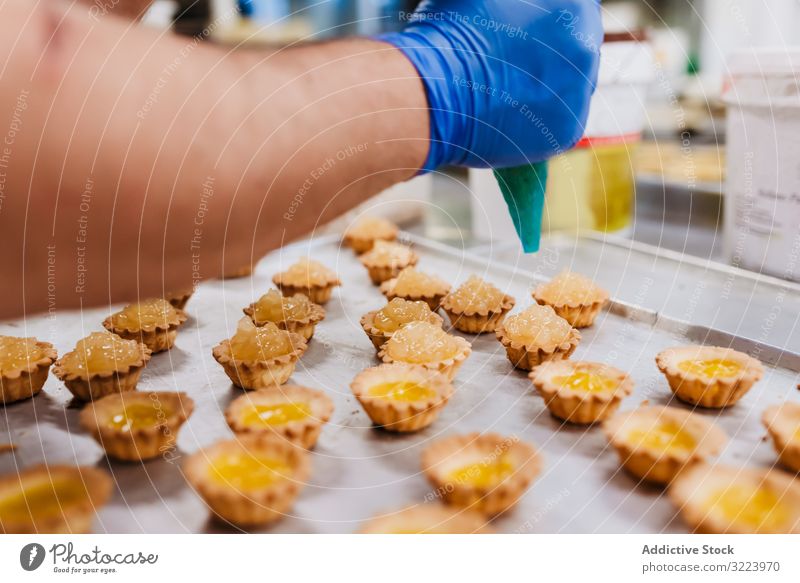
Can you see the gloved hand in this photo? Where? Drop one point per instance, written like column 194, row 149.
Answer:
column 508, row 81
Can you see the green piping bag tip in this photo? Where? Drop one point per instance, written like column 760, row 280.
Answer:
column 523, row 189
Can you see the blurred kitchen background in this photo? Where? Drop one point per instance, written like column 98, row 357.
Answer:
column 677, row 77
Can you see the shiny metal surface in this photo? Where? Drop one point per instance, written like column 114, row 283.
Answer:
column 359, row 471
column 700, row 291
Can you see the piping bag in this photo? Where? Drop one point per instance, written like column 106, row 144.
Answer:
column 523, row 189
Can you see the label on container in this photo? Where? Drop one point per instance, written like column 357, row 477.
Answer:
column 764, row 190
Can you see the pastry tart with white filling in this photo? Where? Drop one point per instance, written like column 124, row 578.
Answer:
column 414, row 286
column 259, row 357
column 310, row 278
column 102, row 364
column 296, row 313
column 537, row 335
column 381, row 324
column 574, row 297
column 427, row 345
column 477, row 306
column 361, row 236
column 154, row 323
column 386, row 260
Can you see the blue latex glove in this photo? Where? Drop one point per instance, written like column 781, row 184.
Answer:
column 508, row 81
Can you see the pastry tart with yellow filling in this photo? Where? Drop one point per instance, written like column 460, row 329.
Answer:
column 581, row 392
column 717, row 499
column 102, row 364
column 574, row 297
column 137, row 426
column 426, row 344
column 487, row 472
column 537, row 335
column 709, row 376
column 428, row 519
column 477, row 306
column 24, row 364
column 258, row 357
column 400, row 397
column 52, row 499
column 290, row 412
column 154, row 323
column 381, row 324
column 656, row 443
column 179, row 298
column 386, row 260
column 310, row 278
column 296, row 313
column 361, row 236
column 414, row 286
column 783, row 424
column 249, row 481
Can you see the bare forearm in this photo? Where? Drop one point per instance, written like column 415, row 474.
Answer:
column 138, row 160
column 125, row 8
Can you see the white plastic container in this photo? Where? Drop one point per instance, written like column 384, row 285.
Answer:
column 762, row 206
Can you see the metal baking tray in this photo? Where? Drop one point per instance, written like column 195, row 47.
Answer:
column 673, row 284
column 359, row 471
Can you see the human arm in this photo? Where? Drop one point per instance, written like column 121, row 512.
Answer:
column 121, row 132
column 126, row 139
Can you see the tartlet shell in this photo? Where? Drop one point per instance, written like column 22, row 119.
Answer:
column 656, row 466
column 319, row 292
column 304, row 326
column 710, row 393
column 433, row 299
column 141, row 443
column 578, row 314
column 363, row 243
column 477, row 321
column 430, row 518
column 304, row 432
column 88, row 387
column 380, row 272
column 581, row 408
column 491, row 501
column 251, row 508
column 448, row 367
column 685, row 490
column 180, row 298
column 379, row 337
column 527, row 357
column 74, row 518
column 262, row 374
column 25, row 382
column 402, row 416
column 157, row 337
column 782, row 422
